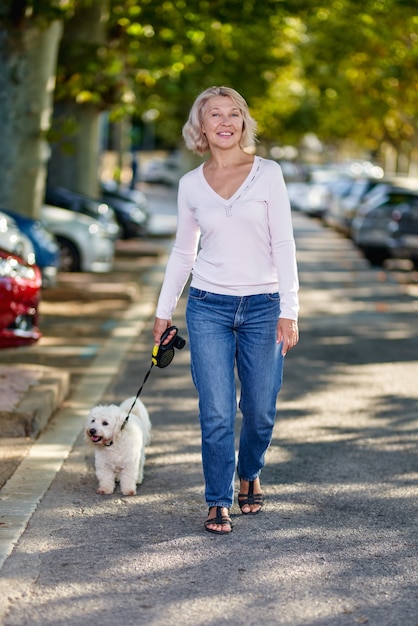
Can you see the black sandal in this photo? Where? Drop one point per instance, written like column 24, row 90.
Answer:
column 223, row 520
column 250, row 499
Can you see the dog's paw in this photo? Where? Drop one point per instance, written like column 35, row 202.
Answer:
column 129, row 492
column 104, row 491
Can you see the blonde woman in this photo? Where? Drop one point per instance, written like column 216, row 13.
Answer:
column 242, row 306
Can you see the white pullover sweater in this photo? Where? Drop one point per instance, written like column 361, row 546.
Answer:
column 246, row 242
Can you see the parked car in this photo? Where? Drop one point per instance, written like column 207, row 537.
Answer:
column 393, row 185
column 313, row 195
column 20, row 289
column 346, row 195
column 370, row 224
column 130, row 207
column 47, row 253
column 163, row 171
column 79, row 203
column 14, row 240
column 403, row 232
column 85, row 244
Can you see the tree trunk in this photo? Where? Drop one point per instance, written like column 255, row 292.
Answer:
column 75, row 156
column 28, row 59
column 75, row 165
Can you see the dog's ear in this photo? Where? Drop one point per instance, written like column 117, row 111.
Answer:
column 115, row 417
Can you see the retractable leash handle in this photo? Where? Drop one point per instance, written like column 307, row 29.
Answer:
column 163, row 354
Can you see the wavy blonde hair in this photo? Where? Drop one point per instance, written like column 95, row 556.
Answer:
column 193, row 135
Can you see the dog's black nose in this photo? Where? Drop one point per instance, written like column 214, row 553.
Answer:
column 92, row 431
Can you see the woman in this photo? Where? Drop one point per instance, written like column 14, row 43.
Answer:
column 243, row 301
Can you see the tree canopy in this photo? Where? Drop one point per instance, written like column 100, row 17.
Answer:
column 339, row 69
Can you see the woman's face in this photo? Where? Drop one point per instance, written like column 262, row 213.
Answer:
column 222, row 122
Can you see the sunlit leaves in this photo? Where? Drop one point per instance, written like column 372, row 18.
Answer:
column 337, row 68
column 366, row 56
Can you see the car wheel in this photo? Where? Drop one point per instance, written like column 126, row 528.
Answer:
column 375, row 256
column 69, row 256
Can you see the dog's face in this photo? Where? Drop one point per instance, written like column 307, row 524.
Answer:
column 103, row 424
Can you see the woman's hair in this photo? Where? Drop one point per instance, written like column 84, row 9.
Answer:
column 193, row 135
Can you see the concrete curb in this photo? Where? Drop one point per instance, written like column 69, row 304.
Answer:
column 38, row 404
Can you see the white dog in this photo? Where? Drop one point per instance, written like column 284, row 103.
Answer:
column 119, row 444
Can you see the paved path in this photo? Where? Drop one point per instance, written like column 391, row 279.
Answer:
column 337, row 542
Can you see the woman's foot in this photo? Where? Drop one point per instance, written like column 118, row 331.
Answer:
column 250, row 497
column 218, row 521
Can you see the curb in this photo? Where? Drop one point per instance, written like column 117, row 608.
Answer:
column 40, row 401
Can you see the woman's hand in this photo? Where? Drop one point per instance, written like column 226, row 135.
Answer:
column 288, row 333
column 160, row 326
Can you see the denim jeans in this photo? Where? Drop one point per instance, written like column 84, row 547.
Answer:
column 224, row 332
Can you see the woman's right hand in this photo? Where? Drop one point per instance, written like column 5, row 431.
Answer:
column 160, row 326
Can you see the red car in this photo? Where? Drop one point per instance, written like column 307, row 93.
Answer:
column 20, row 292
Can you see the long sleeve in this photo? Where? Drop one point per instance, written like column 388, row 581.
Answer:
column 283, row 246
column 182, row 257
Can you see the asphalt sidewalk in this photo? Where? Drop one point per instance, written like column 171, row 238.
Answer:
column 77, row 317
column 337, row 541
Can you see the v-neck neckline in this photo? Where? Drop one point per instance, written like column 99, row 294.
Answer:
column 228, row 202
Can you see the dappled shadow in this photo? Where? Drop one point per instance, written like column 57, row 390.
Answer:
column 337, row 533
column 334, row 530
column 336, row 543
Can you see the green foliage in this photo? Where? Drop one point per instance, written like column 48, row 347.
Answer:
column 176, row 49
column 363, row 62
column 159, row 55
column 90, row 73
column 18, row 12
column 89, row 70
column 339, row 69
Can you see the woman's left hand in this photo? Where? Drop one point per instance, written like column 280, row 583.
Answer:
column 288, row 333
column 160, row 326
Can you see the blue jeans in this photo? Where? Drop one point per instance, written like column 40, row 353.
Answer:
column 225, row 331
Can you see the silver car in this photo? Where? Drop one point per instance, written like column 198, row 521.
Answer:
column 85, row 244
column 370, row 226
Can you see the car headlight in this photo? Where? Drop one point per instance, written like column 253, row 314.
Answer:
column 138, row 216
column 97, row 230
column 3, row 225
column 11, row 268
column 104, row 209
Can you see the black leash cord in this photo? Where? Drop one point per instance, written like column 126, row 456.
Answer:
column 137, row 395
column 162, row 355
